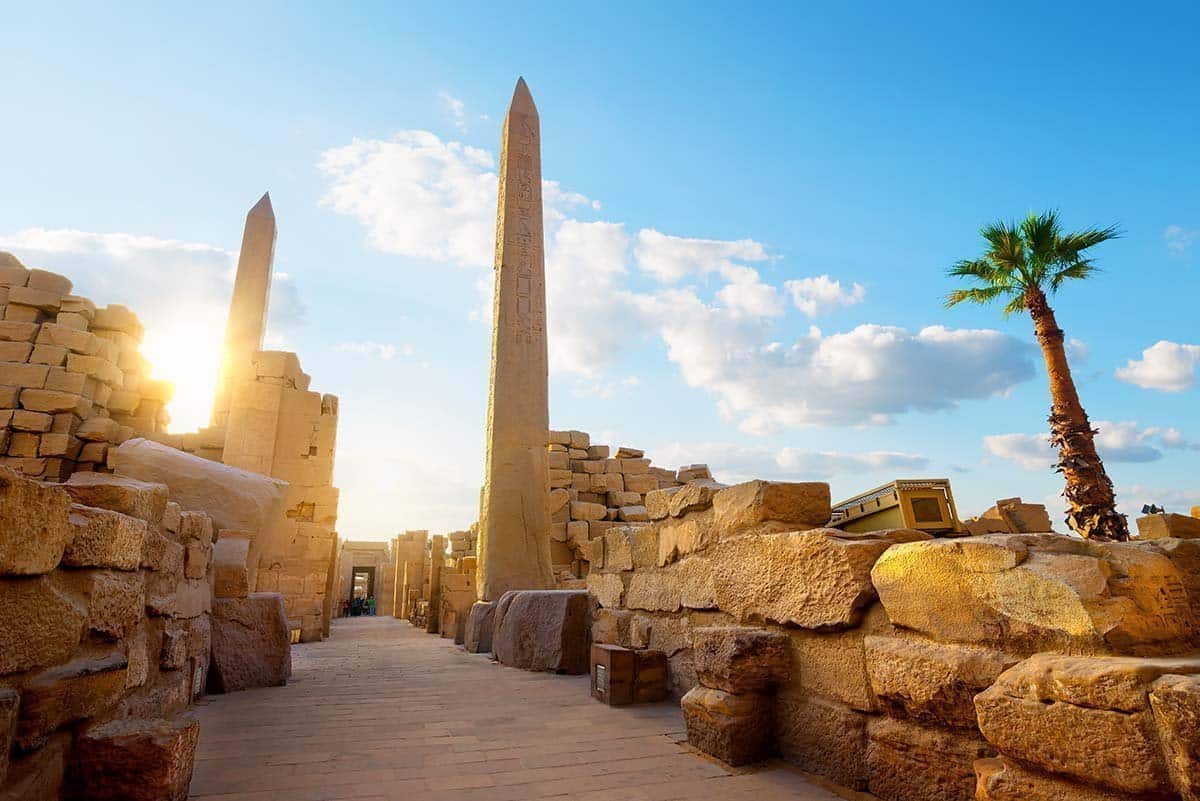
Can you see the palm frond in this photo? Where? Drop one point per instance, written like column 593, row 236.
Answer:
column 1015, row 306
column 1077, row 270
column 1072, row 244
column 980, row 295
column 1040, row 232
column 981, row 269
column 1007, row 250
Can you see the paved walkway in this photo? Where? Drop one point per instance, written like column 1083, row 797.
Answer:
column 382, row 712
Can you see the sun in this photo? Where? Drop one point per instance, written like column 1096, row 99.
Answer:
column 185, row 349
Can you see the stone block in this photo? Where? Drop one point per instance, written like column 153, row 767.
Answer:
column 41, row 299
column 736, row 729
column 11, row 331
column 633, row 514
column 29, row 640
column 658, row 502
column 159, row 553
column 15, row 351
column 251, row 644
column 83, row 688
column 1000, row 779
column 931, row 683
column 115, row 599
column 744, row 506
column 123, row 494
column 134, row 760
column 10, row 702
column 34, row 525
column 49, row 282
column 231, row 576
column 692, row 497
column 823, row 737
column 1161, row 526
column 1029, row 592
column 611, row 626
column 907, row 762
column 39, row 776
column 1085, row 717
column 103, row 538
column 477, row 636
column 607, row 588
column 641, row 483
column 53, row 355
column 692, row 472
column 79, row 342
column 678, row 538
column 196, row 559
column 740, row 659
column 544, row 630
column 1175, row 701
column 18, row 374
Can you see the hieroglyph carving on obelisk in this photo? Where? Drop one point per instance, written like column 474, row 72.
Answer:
column 514, row 536
column 248, row 308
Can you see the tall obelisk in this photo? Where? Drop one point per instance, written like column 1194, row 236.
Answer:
column 514, row 536
column 248, row 308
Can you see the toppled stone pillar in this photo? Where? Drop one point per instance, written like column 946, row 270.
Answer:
column 514, row 542
column 248, row 306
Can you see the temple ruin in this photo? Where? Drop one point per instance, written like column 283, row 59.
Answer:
column 880, row 645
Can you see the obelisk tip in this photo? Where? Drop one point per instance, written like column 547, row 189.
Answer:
column 522, row 100
column 263, row 207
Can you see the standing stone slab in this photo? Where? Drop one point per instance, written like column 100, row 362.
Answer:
column 251, row 644
column 544, row 630
column 478, row 636
column 514, row 544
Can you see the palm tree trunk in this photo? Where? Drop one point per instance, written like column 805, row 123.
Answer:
column 1089, row 490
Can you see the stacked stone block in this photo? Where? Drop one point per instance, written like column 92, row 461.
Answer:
column 104, row 637
column 73, row 382
column 1015, row 666
column 594, row 488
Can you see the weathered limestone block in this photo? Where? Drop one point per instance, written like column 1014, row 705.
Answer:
column 584, row 510
column 831, row 665
column 66, row 693
column 162, row 554
column 34, row 527
column 694, row 496
column 140, row 499
column 477, row 638
column 739, row 659
column 1031, row 592
column 115, row 599
column 42, row 623
column 607, row 588
column 169, row 595
column 251, row 644
column 235, row 499
column 197, row 556
column 1175, row 701
column 679, row 538
column 796, row 504
column 907, row 762
column 931, row 683
column 134, row 760
column 39, row 776
column 1086, row 717
column 737, row 729
column 618, row 549
column 611, row 626
column 815, row 579
column 104, row 538
column 544, row 630
column 231, row 577
column 1161, row 526
column 1000, row 779
column 823, row 737
column 658, row 502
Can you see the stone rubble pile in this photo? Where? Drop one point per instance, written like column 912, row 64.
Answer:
column 1017, row 666
column 73, row 382
column 594, row 488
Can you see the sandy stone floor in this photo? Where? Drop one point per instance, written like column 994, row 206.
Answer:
column 382, row 712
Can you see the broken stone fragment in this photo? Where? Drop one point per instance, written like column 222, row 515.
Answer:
column 103, row 538
column 134, row 760
column 129, row 496
column 231, row 577
column 740, row 659
column 34, row 525
column 736, row 729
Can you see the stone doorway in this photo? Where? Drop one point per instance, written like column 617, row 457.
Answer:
column 362, row 583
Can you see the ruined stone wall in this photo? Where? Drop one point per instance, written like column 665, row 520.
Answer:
column 277, row 427
column 1029, row 666
column 72, row 379
column 105, row 636
column 593, row 488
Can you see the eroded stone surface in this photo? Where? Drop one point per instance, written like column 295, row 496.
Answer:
column 103, row 538
column 29, row 640
column 797, row 505
column 544, row 630
column 1000, row 779
column 824, row 737
column 134, row 760
column 251, row 645
column 739, row 659
column 1175, row 701
column 907, row 762
column 34, row 527
column 736, row 729
column 144, row 500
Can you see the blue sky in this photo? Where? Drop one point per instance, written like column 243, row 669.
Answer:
column 725, row 180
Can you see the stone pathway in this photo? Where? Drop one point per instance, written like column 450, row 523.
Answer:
column 383, row 712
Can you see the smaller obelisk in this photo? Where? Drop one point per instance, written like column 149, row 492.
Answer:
column 248, row 308
column 514, row 534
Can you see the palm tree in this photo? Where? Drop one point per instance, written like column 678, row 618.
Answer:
column 1022, row 263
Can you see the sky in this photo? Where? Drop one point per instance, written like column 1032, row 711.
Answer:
column 749, row 215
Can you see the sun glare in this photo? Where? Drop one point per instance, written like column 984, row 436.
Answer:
column 186, row 350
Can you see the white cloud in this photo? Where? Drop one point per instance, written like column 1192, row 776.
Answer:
column 419, row 196
column 814, row 296
column 180, row 290
column 457, row 109
column 1179, row 239
column 1077, row 350
column 377, row 350
column 733, row 463
column 1116, row 442
column 671, row 258
column 1165, row 365
column 416, row 195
